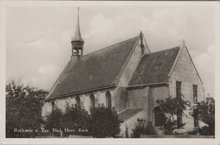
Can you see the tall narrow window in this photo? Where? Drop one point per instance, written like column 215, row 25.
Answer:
column 53, row 106
column 195, row 97
column 77, row 101
column 108, row 99
column 178, row 89
column 92, row 100
column 159, row 117
column 195, row 100
column 179, row 111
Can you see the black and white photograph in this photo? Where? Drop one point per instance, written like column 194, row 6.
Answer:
column 110, row 70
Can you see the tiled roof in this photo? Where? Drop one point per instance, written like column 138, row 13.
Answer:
column 93, row 71
column 154, row 67
column 128, row 113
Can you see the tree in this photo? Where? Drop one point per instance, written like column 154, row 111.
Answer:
column 104, row 122
column 23, row 109
column 170, row 108
column 78, row 119
column 205, row 111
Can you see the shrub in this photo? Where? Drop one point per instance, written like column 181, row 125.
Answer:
column 145, row 130
column 104, row 122
column 54, row 120
column 205, row 111
column 74, row 121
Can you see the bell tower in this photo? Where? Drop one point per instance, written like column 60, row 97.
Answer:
column 77, row 41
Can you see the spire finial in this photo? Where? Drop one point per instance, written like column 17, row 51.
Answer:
column 78, row 8
column 77, row 36
column 183, row 43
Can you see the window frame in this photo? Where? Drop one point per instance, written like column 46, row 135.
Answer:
column 92, row 100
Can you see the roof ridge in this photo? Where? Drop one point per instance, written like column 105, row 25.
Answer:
column 163, row 50
column 109, row 46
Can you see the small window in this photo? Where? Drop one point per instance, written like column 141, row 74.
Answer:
column 108, row 99
column 92, row 100
column 53, row 105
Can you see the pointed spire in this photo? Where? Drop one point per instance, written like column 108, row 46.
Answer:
column 77, row 41
column 77, row 36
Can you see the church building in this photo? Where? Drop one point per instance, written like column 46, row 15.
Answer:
column 128, row 77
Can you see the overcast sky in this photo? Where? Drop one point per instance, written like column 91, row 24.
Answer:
column 38, row 37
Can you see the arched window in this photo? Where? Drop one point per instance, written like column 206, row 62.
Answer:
column 53, row 105
column 108, row 99
column 77, row 101
column 92, row 100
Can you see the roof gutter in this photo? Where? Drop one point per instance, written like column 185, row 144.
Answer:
column 150, row 84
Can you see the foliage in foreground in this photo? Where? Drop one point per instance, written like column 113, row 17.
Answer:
column 75, row 121
column 170, row 108
column 102, row 122
column 146, row 130
column 23, row 113
column 205, row 111
column 23, row 109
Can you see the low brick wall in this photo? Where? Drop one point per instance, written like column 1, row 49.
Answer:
column 79, row 136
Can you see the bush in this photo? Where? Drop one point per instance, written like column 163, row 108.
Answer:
column 104, row 122
column 205, row 112
column 78, row 119
column 75, row 121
